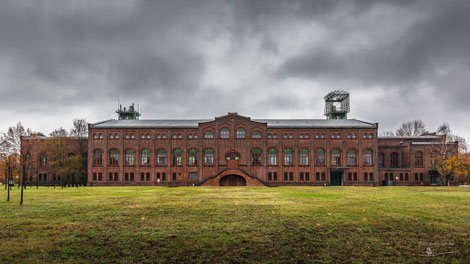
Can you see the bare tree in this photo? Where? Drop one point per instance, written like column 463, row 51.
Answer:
column 80, row 133
column 12, row 144
column 411, row 128
column 445, row 151
column 387, row 134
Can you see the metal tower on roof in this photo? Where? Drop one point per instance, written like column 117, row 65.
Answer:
column 337, row 105
column 127, row 114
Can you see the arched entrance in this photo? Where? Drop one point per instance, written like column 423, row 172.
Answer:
column 232, row 180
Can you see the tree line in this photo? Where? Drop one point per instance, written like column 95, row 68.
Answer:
column 16, row 158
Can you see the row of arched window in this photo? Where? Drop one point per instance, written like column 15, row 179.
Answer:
column 272, row 157
column 394, row 159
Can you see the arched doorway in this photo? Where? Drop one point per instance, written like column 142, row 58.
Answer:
column 232, row 159
column 232, row 180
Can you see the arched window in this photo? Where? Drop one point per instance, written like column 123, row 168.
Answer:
column 256, row 156
column 256, row 134
column 224, row 133
column 303, row 157
column 95, row 136
column 418, row 159
column 209, row 156
column 272, row 157
column 354, row 135
column 161, row 157
column 142, row 136
column 348, row 135
column 335, row 157
column 209, row 134
column 192, row 158
column 97, row 157
column 240, row 132
column 130, row 157
column 352, row 157
column 101, row 136
column 288, row 158
column 394, row 160
column 320, row 157
column 148, row 135
column 381, row 160
column 145, row 157
column 111, row 136
column 114, row 157
column 368, row 157
column 177, row 157
column 116, row 136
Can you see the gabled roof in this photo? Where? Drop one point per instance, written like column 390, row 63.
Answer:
column 271, row 123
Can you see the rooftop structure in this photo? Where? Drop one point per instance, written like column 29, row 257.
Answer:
column 337, row 105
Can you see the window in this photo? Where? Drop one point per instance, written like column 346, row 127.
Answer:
column 284, row 135
column 131, row 176
column 142, row 136
column 371, row 176
column 163, row 176
column 126, row 176
column 209, row 134
column 352, row 157
column 126, row 136
column 114, row 157
column 132, row 137
column 101, row 136
column 147, row 176
column 291, row 135
column 275, row 136
column 161, row 157
column 368, row 157
column 303, row 157
column 394, row 159
column 43, row 162
column 291, row 176
column 421, row 176
column 274, row 176
column 338, row 136
column 97, row 157
column 270, row 135
column 100, row 176
column 381, row 159
column 301, row 136
column 95, row 136
column 256, row 156
column 335, row 157
column 301, row 176
column 416, row 176
column 272, row 157
column 323, row 176
column 355, row 176
column 111, row 136
column 145, row 157
column 349, row 176
column 371, row 135
column 174, row 136
column 256, row 134
column 173, row 176
column 116, row 136
column 307, row 135
column 401, row 176
column 322, row 135
column 270, row 176
column 317, row 136
column 354, row 135
column 177, row 157
column 163, row 135
column 240, row 132
column 209, row 156
column 116, row 176
column 130, row 157
column 286, row 176
column 307, row 176
column 288, row 159
column 190, row 135
column 406, row 176
column 159, row 136
column 192, row 176
column 333, row 136
column 192, row 158
column 148, row 135
column 366, row 177
column 180, row 135
column 364, row 136
column 94, row 176
column 348, row 136
column 224, row 133
column 320, row 157
column 419, row 159
column 317, row 176
column 142, row 176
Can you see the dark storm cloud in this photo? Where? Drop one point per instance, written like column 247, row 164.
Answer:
column 181, row 59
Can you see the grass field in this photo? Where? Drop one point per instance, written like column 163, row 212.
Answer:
column 236, row 225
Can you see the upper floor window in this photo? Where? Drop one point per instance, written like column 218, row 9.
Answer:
column 161, row 157
column 352, row 157
column 145, row 157
column 256, row 134
column 95, row 136
column 126, row 136
column 111, row 136
column 354, row 135
column 240, row 132
column 322, row 136
column 148, row 135
column 348, row 136
column 114, row 157
column 98, row 157
column 209, row 134
column 224, row 133
column 256, row 156
column 43, row 162
column 364, row 136
column 320, row 157
column 192, row 158
column 270, row 135
column 419, row 159
column 333, row 135
column 303, row 157
column 142, row 135
column 335, row 157
column 209, row 156
column 288, row 158
column 381, row 159
column 371, row 135
column 177, row 160
column 272, row 157
column 394, row 160
column 116, row 136
column 132, row 136
column 190, row 135
column 130, row 157
column 101, row 135
column 368, row 157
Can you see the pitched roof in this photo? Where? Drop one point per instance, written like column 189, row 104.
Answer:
column 271, row 123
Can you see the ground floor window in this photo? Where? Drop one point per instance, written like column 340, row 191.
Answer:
column 192, row 176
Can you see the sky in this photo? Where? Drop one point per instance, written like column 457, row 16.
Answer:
column 399, row 60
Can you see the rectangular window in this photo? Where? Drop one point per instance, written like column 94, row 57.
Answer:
column 416, row 176
column 307, row 175
column 115, row 177
column 349, row 176
column 275, row 176
column 355, row 176
column 323, row 176
column 421, row 176
column 147, row 176
column 291, row 176
column 163, row 176
column 406, row 176
column 126, row 176
column 371, row 176
column 94, row 176
column 100, row 176
column 192, row 176
column 301, row 176
column 142, row 176
column 317, row 176
column 366, row 177
column 44, row 176
column 270, row 176
column 110, row 176
column 174, row 176
column 285, row 176
column 401, row 176
column 132, row 176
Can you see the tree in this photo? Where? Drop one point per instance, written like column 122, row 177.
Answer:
column 11, row 145
column 80, row 133
column 387, row 134
column 411, row 128
column 446, row 154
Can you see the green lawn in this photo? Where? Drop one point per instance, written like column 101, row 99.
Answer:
column 236, row 224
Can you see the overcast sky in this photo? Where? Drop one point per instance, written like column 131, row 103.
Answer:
column 400, row 60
